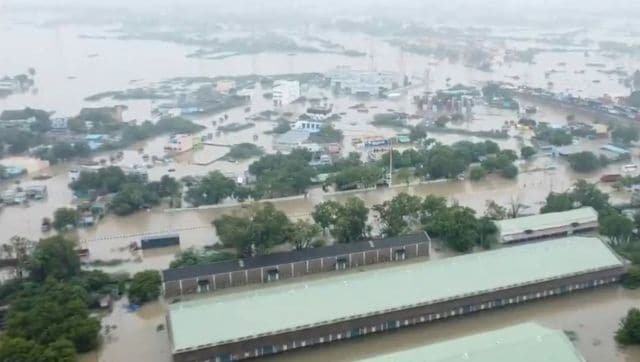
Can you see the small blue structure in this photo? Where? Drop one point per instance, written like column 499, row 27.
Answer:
column 615, row 149
column 14, row 171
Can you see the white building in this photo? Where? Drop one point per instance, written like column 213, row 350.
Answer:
column 225, row 86
column 59, row 123
column 310, row 126
column 361, row 81
column 285, row 92
column 180, row 143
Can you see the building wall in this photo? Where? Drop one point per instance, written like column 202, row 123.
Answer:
column 290, row 270
column 550, row 232
column 396, row 319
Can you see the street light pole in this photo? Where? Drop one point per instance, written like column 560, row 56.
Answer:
column 390, row 161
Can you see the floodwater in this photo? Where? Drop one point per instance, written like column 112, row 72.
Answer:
column 593, row 315
column 70, row 67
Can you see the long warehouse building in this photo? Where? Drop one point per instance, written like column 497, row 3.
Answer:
column 549, row 225
column 272, row 320
column 291, row 264
column 526, row 342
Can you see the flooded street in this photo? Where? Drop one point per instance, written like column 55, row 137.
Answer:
column 72, row 61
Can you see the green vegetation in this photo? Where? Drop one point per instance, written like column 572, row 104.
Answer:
column 617, row 227
column 144, row 287
column 49, row 318
column 192, row 256
column 584, row 161
column 280, row 175
column 132, row 192
column 243, row 151
column 62, row 152
column 583, row 194
column 282, row 127
column 476, row 173
column 629, row 331
column 554, row 136
column 235, row 127
column 392, row 120
column 625, row 134
column 399, row 215
column 260, row 228
column 527, row 152
column 631, row 280
column 211, row 189
column 327, row 134
column 362, row 176
column 418, row 133
column 64, row 218
column 346, row 222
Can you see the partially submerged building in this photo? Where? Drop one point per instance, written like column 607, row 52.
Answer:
column 289, row 316
column 522, row 342
column 284, row 265
column 553, row 224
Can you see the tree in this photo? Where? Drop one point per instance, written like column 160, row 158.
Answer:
column 404, row 175
column 442, row 162
column 304, row 233
column 325, row 213
column 515, row 206
column 495, row 211
column 629, row 331
column 351, row 221
column 584, row 161
column 133, row 197
column 487, row 231
column 212, row 189
column 257, row 231
column 64, row 218
column 617, row 227
column 477, row 173
column 283, row 175
column 588, row 194
column 625, row 134
column 527, row 152
column 634, row 99
column 556, row 202
column 417, row 133
column 21, row 350
column 54, row 257
column 20, row 249
column 509, row 171
column 457, row 226
column 52, row 311
column 631, row 280
column 396, row 215
column 144, row 287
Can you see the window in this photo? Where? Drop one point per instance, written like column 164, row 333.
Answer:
column 272, row 275
column 399, row 254
column 342, row 262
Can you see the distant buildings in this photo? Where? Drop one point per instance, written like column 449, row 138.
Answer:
column 256, row 323
column 536, row 342
column 311, row 126
column 285, row 92
column 290, row 140
column 225, row 86
column 362, row 82
column 547, row 225
column 59, row 123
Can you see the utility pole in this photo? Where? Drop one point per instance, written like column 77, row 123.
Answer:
column 390, row 161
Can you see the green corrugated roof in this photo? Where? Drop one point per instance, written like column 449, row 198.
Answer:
column 218, row 319
column 527, row 342
column 545, row 221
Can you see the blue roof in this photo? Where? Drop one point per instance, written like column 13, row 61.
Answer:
column 615, row 149
column 94, row 137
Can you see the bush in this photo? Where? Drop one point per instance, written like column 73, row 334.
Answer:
column 509, row 171
column 477, row 173
column 629, row 331
column 144, row 287
column 631, row 280
column 527, row 152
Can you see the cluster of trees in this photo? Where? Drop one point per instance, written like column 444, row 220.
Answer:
column 280, row 175
column 242, row 151
column 587, row 161
column 211, row 189
column 48, row 316
column 457, row 226
column 132, row 192
column 62, row 151
column 554, row 136
column 625, row 134
column 327, row 134
column 259, row 228
column 50, row 299
column 132, row 132
column 193, row 256
column 629, row 331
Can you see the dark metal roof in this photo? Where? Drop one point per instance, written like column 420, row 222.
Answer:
column 290, row 257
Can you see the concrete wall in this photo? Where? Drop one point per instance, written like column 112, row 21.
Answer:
column 392, row 320
column 290, row 270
